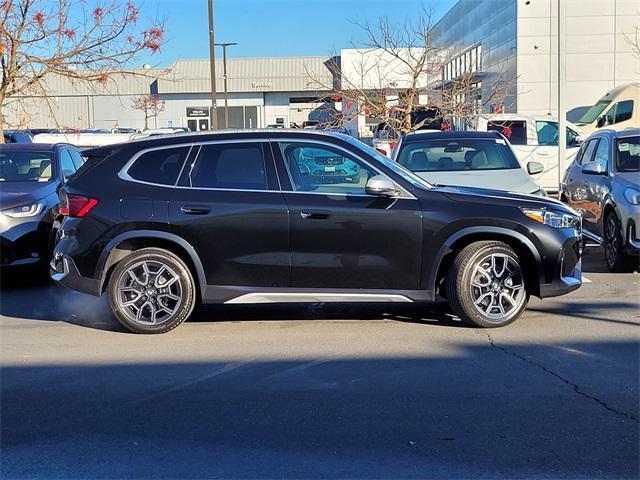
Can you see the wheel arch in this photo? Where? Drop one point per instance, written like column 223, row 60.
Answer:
column 125, row 243
column 524, row 248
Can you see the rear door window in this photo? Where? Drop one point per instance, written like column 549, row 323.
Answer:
column 514, row 130
column 159, row 166
column 66, row 164
column 234, row 166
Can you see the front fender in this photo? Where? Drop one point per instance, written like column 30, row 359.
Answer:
column 478, row 232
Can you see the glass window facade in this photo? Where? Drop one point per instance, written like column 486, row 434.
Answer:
column 482, row 38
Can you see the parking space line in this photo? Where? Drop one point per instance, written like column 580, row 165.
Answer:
column 586, row 280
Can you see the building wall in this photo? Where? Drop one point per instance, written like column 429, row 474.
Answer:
column 598, row 57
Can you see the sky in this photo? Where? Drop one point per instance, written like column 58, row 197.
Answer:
column 273, row 28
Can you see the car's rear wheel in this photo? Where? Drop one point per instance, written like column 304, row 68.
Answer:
column 151, row 291
column 617, row 259
column 486, row 285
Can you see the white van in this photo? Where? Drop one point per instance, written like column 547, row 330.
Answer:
column 618, row 110
column 534, row 139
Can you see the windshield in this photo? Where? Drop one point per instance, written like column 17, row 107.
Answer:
column 594, row 112
column 463, row 154
column 628, row 154
column 25, row 166
column 399, row 170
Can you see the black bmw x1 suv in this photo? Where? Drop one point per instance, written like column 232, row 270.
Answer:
column 241, row 217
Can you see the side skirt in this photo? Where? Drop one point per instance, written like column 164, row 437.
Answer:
column 251, row 295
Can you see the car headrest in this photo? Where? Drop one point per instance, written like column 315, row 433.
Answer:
column 418, row 161
column 445, row 163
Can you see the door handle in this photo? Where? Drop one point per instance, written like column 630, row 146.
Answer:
column 195, row 209
column 315, row 214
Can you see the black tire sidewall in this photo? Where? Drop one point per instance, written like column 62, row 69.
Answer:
column 171, row 260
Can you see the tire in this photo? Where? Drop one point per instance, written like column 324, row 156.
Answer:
column 486, row 285
column 141, row 296
column 617, row 260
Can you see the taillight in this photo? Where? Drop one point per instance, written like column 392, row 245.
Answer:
column 73, row 205
column 393, row 145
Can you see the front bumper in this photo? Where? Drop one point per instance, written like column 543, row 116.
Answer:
column 64, row 271
column 567, row 272
column 21, row 242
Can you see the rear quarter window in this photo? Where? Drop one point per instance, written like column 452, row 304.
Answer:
column 159, row 166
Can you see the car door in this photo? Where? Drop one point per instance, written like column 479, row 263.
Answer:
column 341, row 237
column 596, row 187
column 229, row 207
column 577, row 188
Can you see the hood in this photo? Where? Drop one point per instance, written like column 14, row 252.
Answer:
column 13, row 194
column 495, row 197
column 511, row 180
column 628, row 179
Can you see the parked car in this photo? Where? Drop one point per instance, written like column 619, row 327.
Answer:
column 534, row 139
column 385, row 138
column 603, row 184
column 163, row 223
column 30, row 175
column 619, row 109
column 467, row 159
column 17, row 136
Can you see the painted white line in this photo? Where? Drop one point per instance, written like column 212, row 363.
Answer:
column 586, row 280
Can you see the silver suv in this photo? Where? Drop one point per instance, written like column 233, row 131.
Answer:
column 603, row 184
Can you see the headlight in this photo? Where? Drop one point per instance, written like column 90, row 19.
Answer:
column 632, row 195
column 552, row 218
column 24, row 210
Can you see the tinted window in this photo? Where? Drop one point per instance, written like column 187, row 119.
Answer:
column 235, row 166
column 457, row 155
column 602, row 153
column 622, row 111
column 78, row 160
column 66, row 164
column 548, row 134
column 324, row 169
column 587, row 153
column 159, row 166
column 628, row 154
column 25, row 166
column 515, row 131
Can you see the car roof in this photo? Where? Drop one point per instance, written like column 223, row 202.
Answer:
column 629, row 132
column 34, row 147
column 417, row 137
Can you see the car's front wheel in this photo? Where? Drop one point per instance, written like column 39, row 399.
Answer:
column 151, row 291
column 617, row 259
column 486, row 285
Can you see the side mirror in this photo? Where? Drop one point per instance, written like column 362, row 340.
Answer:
column 534, row 168
column 593, row 168
column 601, row 121
column 578, row 140
column 381, row 186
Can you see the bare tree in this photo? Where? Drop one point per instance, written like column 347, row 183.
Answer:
column 73, row 39
column 150, row 105
column 401, row 69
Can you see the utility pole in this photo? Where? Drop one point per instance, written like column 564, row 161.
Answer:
column 562, row 77
column 213, row 114
column 224, row 76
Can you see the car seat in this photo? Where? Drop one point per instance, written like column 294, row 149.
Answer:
column 445, row 163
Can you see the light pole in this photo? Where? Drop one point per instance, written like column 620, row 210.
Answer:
column 213, row 114
column 562, row 77
column 224, row 76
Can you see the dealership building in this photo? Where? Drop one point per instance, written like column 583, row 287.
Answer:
column 512, row 41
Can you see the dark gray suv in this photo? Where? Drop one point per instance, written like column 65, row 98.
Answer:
column 603, row 184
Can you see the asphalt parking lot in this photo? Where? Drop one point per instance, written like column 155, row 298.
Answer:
column 323, row 391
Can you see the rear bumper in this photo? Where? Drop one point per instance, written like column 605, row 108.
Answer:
column 64, row 271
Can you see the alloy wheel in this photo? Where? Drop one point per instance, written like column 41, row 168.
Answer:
column 497, row 286
column 149, row 292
